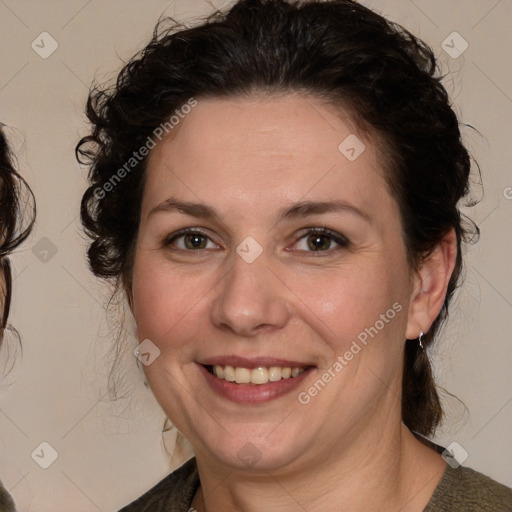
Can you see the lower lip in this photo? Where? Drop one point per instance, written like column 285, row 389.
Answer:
column 253, row 393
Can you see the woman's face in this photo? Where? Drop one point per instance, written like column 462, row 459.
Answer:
column 249, row 288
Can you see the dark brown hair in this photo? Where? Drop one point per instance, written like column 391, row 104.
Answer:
column 385, row 77
column 17, row 217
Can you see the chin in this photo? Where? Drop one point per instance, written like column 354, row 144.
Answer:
column 256, row 452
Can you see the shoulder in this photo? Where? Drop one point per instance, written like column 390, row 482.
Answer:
column 464, row 489
column 172, row 494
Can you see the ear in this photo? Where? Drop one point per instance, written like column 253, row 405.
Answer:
column 430, row 285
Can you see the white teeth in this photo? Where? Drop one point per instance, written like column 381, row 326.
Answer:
column 259, row 375
column 274, row 373
column 295, row 372
column 242, row 375
column 229, row 374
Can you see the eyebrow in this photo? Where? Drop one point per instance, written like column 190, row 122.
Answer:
column 297, row 210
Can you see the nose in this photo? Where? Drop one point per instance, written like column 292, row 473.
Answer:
column 251, row 299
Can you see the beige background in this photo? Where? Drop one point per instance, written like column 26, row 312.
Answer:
column 109, row 453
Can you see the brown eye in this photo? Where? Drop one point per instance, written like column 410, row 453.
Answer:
column 195, row 241
column 189, row 240
column 321, row 241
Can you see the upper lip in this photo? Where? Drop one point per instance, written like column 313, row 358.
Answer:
column 252, row 362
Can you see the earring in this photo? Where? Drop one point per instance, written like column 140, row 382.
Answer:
column 419, row 340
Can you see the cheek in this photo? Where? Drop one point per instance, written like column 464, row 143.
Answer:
column 348, row 300
column 165, row 302
column 333, row 305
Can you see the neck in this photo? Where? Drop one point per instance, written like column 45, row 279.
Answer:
column 385, row 469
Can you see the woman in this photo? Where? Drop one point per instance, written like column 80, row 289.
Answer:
column 15, row 225
column 276, row 192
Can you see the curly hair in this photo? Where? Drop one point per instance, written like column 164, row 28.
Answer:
column 382, row 75
column 15, row 223
column 17, row 216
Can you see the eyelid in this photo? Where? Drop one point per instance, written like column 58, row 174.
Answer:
column 336, row 237
column 186, row 231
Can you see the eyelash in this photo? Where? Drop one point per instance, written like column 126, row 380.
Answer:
column 335, row 237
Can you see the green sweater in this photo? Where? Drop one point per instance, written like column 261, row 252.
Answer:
column 459, row 490
column 466, row 490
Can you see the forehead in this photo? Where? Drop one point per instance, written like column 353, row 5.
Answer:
column 264, row 149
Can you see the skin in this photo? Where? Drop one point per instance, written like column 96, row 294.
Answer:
column 347, row 449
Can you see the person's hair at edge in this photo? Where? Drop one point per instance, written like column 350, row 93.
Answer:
column 339, row 51
column 17, row 217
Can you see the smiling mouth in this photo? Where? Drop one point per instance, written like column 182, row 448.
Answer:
column 259, row 375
